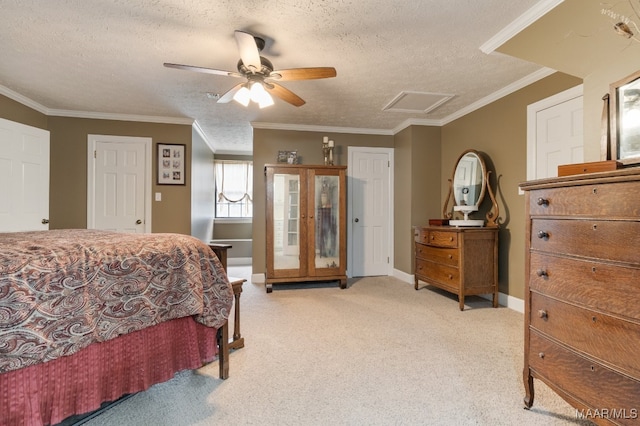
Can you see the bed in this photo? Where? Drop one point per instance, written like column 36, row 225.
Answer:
column 88, row 316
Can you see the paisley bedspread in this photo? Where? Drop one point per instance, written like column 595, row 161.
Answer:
column 62, row 290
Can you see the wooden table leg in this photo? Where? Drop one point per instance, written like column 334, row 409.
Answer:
column 223, row 350
column 238, row 340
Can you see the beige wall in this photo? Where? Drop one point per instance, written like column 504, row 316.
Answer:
column 578, row 39
column 15, row 111
column 267, row 143
column 202, row 188
column 416, row 188
column 68, row 168
column 500, row 131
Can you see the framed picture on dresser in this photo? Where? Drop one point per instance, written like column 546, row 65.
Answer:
column 624, row 98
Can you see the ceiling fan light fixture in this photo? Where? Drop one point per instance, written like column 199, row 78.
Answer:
column 243, row 96
column 257, row 91
column 266, row 100
column 259, row 95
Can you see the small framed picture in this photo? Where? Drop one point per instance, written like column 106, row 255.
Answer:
column 171, row 158
column 289, row 157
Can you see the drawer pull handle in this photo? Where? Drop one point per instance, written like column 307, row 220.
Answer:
column 450, row 238
column 543, row 235
column 543, row 314
column 450, row 256
column 541, row 355
column 450, row 276
column 543, row 202
column 542, row 273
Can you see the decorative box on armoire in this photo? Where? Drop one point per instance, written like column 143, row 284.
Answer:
column 305, row 224
column 582, row 292
column 461, row 255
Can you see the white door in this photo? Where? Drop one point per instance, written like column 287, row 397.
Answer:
column 555, row 133
column 370, row 211
column 24, row 177
column 119, row 176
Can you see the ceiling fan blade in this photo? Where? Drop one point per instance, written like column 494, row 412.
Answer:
column 303, row 73
column 227, row 97
column 284, row 94
column 202, row 69
column 248, row 49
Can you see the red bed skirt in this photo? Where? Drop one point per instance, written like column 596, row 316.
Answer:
column 48, row 393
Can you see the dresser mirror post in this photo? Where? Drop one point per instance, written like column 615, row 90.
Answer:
column 467, row 187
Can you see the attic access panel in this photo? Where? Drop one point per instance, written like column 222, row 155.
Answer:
column 420, row 102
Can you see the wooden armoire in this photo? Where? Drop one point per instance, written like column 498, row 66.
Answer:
column 305, row 224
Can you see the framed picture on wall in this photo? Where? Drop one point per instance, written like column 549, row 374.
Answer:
column 171, row 158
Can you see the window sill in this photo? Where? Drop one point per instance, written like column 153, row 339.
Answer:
column 233, row 220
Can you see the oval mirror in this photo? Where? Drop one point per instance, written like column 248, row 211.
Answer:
column 469, row 179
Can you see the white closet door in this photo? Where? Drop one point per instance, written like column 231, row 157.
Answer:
column 24, row 177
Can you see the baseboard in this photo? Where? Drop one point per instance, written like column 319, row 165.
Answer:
column 403, row 276
column 239, row 261
column 258, row 278
column 503, row 299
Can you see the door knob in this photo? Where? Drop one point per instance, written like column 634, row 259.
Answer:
column 357, row 220
column 138, row 222
column 45, row 221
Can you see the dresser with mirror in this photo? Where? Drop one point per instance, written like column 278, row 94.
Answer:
column 459, row 253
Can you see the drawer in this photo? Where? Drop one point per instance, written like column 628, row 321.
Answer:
column 443, row 238
column 447, row 256
column 443, row 274
column 600, row 200
column 421, row 235
column 599, row 387
column 602, row 286
column 612, row 340
column 599, row 239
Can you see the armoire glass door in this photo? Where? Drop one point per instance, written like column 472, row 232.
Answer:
column 326, row 233
column 287, row 215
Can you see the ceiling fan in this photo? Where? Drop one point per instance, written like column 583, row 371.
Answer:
column 261, row 78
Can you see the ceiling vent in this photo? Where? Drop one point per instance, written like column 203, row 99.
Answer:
column 422, row 102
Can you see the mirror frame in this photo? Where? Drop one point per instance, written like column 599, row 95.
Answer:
column 617, row 112
column 483, row 170
column 492, row 214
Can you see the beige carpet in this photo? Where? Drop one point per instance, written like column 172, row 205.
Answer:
column 376, row 353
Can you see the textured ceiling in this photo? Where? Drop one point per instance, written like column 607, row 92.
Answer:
column 105, row 57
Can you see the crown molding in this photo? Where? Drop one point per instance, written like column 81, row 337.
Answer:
column 523, row 21
column 119, row 117
column 507, row 90
column 314, row 128
column 198, row 129
column 23, row 100
column 416, row 122
column 87, row 114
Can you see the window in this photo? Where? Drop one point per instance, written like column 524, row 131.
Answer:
column 234, row 189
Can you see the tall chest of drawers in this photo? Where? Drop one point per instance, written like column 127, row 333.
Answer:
column 463, row 261
column 582, row 293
